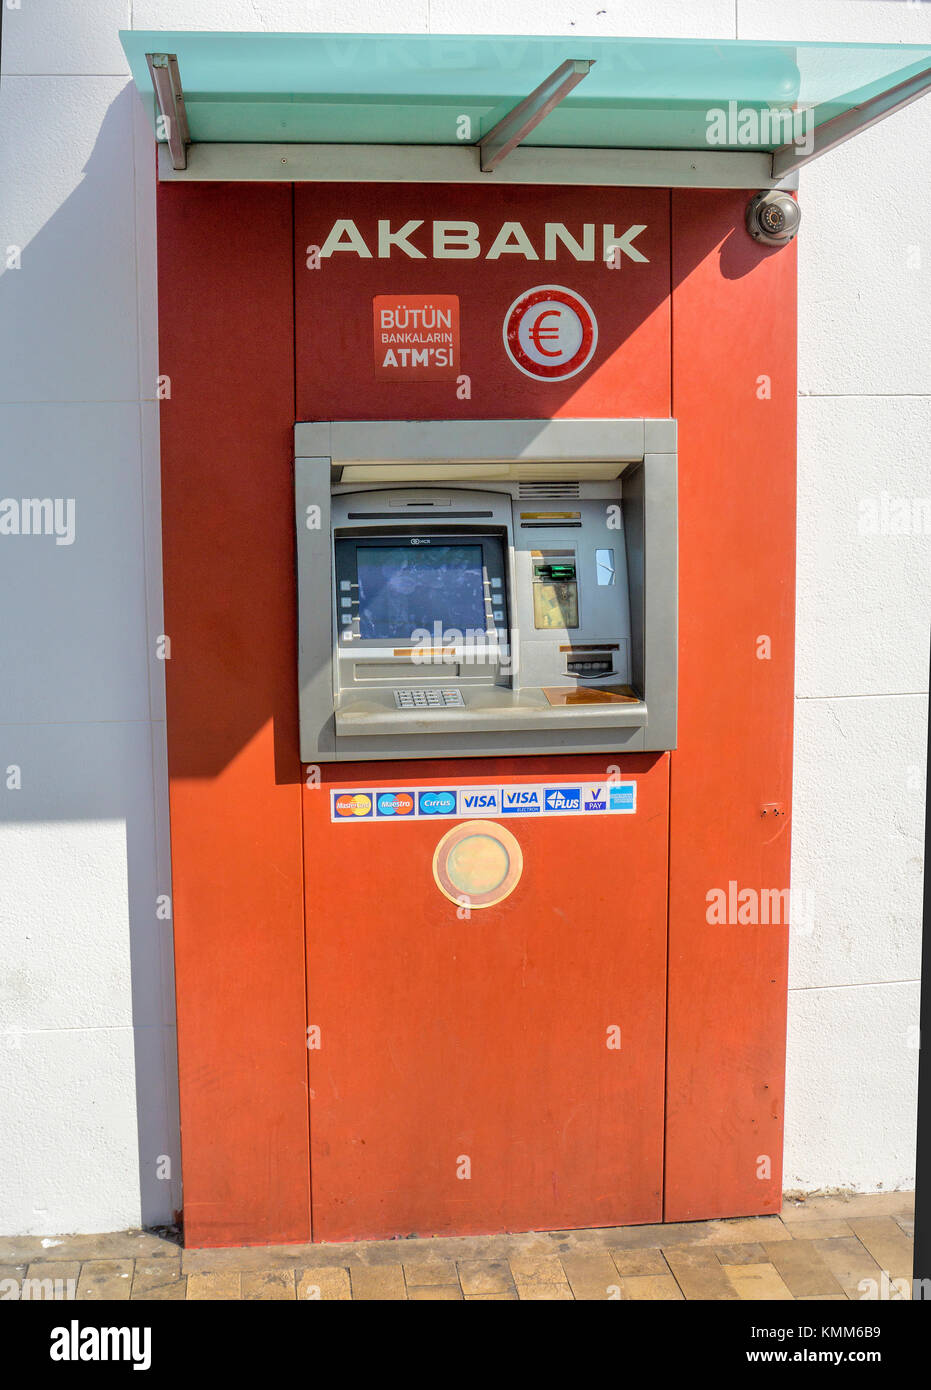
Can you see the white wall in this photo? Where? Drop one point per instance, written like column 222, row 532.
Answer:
column 88, row 1096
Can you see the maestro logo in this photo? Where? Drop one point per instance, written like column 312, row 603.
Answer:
column 395, row 804
column 437, row 803
column 550, row 333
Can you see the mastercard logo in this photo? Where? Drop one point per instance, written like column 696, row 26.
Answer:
column 354, row 804
column 395, row 804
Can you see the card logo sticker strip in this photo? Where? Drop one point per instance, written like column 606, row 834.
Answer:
column 365, row 805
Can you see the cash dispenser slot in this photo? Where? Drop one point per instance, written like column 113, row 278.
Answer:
column 590, row 667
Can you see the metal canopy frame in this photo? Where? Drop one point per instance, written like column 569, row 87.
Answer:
column 483, row 157
column 234, row 163
column 839, row 129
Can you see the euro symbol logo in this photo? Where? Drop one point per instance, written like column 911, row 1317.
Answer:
column 538, row 332
column 550, row 333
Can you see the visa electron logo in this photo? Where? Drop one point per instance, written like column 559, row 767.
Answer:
column 395, row 804
column 523, row 802
column 480, row 801
column 563, row 799
column 353, row 804
column 437, row 803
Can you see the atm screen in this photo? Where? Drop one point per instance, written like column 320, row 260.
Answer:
column 406, row 587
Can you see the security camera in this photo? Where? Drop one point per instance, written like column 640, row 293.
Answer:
column 773, row 217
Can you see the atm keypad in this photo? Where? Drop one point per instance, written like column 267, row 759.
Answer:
column 428, row 697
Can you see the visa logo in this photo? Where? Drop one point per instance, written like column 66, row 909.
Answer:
column 479, row 801
column 521, row 802
column 563, row 799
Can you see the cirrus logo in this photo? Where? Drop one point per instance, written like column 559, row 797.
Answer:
column 437, row 803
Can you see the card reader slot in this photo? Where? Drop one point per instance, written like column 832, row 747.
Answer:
column 404, row 517
column 582, row 648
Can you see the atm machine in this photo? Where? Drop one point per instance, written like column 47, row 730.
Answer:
column 487, row 673
column 480, row 588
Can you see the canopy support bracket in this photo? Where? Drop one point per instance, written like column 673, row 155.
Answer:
column 172, row 119
column 507, row 133
column 788, row 158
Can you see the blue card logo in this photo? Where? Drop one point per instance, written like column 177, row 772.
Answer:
column 623, row 796
column 437, row 803
column 520, row 802
column 563, row 799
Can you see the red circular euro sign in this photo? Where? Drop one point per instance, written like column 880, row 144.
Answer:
column 550, row 333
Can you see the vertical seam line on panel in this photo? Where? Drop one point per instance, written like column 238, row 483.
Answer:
column 300, row 765
column 672, row 413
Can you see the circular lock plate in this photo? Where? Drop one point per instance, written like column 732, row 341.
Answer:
column 477, row 864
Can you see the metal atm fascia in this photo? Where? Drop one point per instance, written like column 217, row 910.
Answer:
column 632, row 462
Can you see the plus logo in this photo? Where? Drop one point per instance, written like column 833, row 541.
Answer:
column 563, row 799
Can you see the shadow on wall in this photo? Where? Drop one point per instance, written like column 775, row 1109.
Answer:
column 75, row 703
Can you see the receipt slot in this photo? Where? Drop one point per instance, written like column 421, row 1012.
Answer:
column 481, row 588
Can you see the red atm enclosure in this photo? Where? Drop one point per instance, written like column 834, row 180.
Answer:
column 360, row 1054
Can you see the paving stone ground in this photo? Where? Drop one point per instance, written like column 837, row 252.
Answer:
column 821, row 1248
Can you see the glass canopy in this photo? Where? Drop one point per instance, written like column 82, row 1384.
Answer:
column 417, row 89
